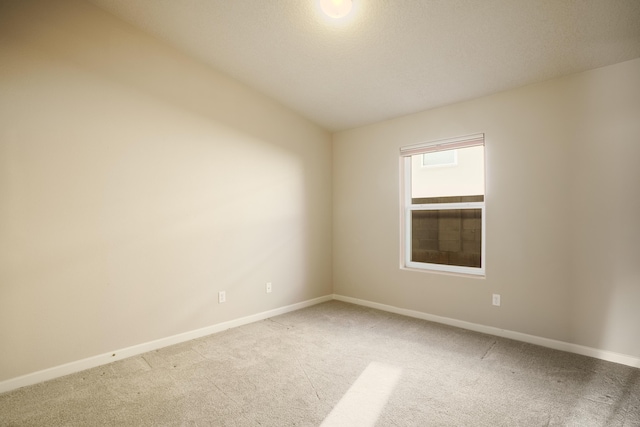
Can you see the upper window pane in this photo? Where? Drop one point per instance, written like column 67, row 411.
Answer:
column 465, row 177
column 440, row 158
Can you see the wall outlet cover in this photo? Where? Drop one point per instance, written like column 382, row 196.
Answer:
column 496, row 300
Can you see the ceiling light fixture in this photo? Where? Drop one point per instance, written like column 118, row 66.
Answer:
column 336, row 8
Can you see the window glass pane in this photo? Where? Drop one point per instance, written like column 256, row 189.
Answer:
column 440, row 158
column 464, row 178
column 450, row 237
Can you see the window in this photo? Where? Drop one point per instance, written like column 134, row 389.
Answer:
column 443, row 210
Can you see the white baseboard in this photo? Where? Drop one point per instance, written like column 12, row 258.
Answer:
column 112, row 356
column 517, row 336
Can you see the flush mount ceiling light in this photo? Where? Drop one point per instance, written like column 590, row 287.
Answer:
column 336, row 8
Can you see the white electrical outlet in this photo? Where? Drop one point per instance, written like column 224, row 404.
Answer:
column 222, row 297
column 268, row 287
column 496, row 299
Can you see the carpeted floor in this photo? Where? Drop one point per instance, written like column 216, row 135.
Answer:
column 342, row 364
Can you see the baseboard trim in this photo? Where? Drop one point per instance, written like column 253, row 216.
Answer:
column 504, row 333
column 112, row 356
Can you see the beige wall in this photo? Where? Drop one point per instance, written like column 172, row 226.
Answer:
column 135, row 184
column 562, row 203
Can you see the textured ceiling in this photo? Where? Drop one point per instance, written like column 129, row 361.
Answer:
column 390, row 57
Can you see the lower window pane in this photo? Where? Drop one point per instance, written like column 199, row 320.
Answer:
column 449, row 236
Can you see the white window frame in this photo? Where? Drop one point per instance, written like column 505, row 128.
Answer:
column 407, row 206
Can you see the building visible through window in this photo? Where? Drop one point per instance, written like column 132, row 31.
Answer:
column 440, row 158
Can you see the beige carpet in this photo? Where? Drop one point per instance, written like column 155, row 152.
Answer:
column 337, row 364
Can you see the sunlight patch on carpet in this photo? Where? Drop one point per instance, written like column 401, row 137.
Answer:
column 363, row 402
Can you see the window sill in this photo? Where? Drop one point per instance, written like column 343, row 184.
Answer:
column 479, row 275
